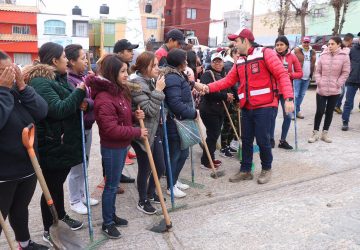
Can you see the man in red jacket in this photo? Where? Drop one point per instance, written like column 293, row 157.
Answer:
column 261, row 74
column 173, row 39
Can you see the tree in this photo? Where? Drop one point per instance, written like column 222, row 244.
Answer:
column 302, row 12
column 284, row 6
column 338, row 5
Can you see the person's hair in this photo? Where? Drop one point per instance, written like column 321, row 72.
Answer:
column 143, row 61
column 72, row 52
column 49, row 51
column 3, row 55
column 109, row 68
column 282, row 39
column 191, row 60
column 337, row 40
column 233, row 51
column 176, row 57
column 348, row 37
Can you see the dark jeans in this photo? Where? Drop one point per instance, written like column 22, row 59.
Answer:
column 55, row 181
column 256, row 123
column 144, row 170
column 349, row 102
column 113, row 162
column 15, row 197
column 213, row 123
column 286, row 122
column 324, row 105
column 341, row 97
column 177, row 158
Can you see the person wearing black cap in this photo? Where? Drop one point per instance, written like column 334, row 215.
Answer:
column 124, row 49
column 259, row 72
column 352, row 84
column 173, row 39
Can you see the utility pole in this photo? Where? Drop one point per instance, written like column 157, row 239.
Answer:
column 252, row 16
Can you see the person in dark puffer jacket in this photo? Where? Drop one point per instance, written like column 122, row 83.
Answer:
column 59, row 134
column 20, row 105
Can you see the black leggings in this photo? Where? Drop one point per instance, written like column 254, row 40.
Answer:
column 55, row 181
column 144, row 170
column 324, row 105
column 15, row 197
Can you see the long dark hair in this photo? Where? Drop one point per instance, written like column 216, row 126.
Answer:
column 109, row 68
column 72, row 52
column 176, row 57
column 143, row 61
column 49, row 51
column 191, row 60
column 337, row 40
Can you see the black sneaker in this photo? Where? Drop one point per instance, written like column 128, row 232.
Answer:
column 225, row 152
column 47, row 238
column 73, row 224
column 272, row 142
column 111, row 231
column 119, row 222
column 345, row 126
column 233, row 151
column 285, row 145
column 146, row 207
column 33, row 246
column 155, row 199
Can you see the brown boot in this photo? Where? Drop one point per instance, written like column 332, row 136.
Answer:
column 241, row 176
column 264, row 177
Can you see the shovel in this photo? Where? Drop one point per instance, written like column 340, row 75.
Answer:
column 61, row 234
column 6, row 231
column 164, row 224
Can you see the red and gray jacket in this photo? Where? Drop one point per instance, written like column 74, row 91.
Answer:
column 258, row 74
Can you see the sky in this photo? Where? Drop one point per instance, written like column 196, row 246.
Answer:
column 118, row 8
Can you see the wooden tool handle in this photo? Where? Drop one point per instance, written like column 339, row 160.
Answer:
column 231, row 122
column 5, row 229
column 89, row 61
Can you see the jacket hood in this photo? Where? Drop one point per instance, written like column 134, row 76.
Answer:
column 338, row 51
column 170, row 70
column 100, row 84
column 39, row 70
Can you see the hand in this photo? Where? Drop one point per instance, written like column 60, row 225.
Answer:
column 84, row 105
column 7, row 77
column 91, row 73
column 144, row 133
column 289, row 106
column 81, row 86
column 230, row 97
column 160, row 83
column 20, row 83
column 139, row 114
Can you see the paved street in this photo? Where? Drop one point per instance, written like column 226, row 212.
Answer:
column 312, row 201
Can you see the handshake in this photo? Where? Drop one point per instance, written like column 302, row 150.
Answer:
column 201, row 88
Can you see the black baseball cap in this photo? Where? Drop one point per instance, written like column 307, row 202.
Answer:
column 124, row 44
column 176, row 35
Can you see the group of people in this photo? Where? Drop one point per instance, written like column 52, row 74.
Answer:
column 247, row 80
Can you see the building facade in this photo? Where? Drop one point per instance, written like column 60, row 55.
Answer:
column 18, row 32
column 234, row 21
column 191, row 17
column 152, row 23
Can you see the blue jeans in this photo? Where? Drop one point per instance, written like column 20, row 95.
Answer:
column 256, row 124
column 286, row 122
column 113, row 162
column 300, row 87
column 177, row 158
column 349, row 102
column 341, row 97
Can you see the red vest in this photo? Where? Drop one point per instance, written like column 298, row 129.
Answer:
column 257, row 85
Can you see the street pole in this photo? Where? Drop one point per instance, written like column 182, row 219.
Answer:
column 252, row 16
column 101, row 37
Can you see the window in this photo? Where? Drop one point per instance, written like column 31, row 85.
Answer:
column 80, row 29
column 191, row 13
column 109, row 49
column 22, row 59
column 109, row 28
column 151, row 23
column 21, row 30
column 54, row 27
column 168, row 12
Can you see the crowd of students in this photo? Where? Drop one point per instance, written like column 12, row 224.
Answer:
column 53, row 92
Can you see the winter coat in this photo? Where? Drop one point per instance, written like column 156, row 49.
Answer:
column 89, row 117
column 59, row 134
column 298, row 51
column 354, row 77
column 149, row 100
column 178, row 99
column 17, row 110
column 113, row 113
column 212, row 103
column 331, row 72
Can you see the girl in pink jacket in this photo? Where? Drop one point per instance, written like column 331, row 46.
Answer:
column 332, row 70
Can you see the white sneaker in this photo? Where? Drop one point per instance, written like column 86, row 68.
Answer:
column 93, row 202
column 181, row 186
column 79, row 208
column 177, row 192
column 234, row 145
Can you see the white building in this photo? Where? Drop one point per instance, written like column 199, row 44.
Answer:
column 216, row 31
column 63, row 29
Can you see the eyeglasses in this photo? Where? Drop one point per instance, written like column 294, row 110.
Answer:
column 217, row 61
